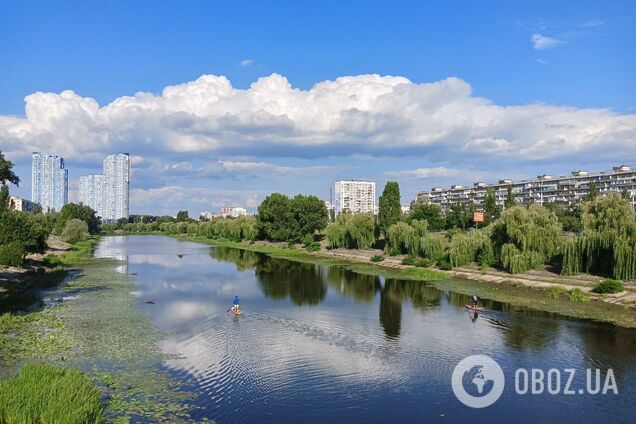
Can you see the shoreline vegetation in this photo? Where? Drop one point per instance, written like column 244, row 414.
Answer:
column 523, row 293
column 87, row 335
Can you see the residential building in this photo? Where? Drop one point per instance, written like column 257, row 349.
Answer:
column 233, row 212
column 115, row 194
column 405, row 208
column 49, row 181
column 565, row 190
column 207, row 216
column 21, row 205
column 354, row 196
column 91, row 189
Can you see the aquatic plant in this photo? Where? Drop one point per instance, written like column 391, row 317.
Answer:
column 46, row 394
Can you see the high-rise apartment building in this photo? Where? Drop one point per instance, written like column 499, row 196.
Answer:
column 116, row 183
column 566, row 190
column 91, row 189
column 49, row 181
column 354, row 196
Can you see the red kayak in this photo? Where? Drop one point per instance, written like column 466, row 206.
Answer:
column 474, row 308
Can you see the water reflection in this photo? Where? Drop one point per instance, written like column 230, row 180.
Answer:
column 303, row 283
column 350, row 347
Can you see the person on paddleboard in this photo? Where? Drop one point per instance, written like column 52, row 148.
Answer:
column 236, row 307
column 475, row 300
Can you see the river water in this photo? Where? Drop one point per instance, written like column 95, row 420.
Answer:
column 320, row 343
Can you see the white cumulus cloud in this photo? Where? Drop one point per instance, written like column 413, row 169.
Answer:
column 351, row 115
column 541, row 42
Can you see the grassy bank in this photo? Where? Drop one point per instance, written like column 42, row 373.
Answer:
column 518, row 296
column 100, row 330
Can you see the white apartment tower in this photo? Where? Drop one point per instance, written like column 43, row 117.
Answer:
column 115, row 187
column 354, row 196
column 49, row 181
column 91, row 189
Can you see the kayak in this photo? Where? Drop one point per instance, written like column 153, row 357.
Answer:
column 474, row 308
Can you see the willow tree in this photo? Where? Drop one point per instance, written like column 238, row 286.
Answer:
column 524, row 239
column 466, row 248
column 607, row 244
column 351, row 231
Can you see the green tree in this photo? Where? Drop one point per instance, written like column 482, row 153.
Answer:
column 182, row 216
column 75, row 230
column 592, row 193
column 309, row 215
column 351, row 231
column 510, row 199
column 626, row 195
column 275, row 218
column 390, row 209
column 6, row 171
column 430, row 213
column 4, row 198
column 78, row 211
column 491, row 209
column 460, row 216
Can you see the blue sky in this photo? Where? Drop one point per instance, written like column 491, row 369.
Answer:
column 490, row 89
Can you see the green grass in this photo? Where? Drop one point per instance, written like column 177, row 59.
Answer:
column 42, row 393
column 554, row 292
column 579, row 296
column 377, row 258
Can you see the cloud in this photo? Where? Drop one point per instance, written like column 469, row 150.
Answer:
column 418, row 173
column 593, row 23
column 543, row 62
column 541, row 42
column 209, row 120
column 246, row 62
column 168, row 199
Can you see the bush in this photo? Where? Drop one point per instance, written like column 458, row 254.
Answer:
column 377, row 258
column 409, row 260
column 308, row 240
column 75, row 230
column 313, row 247
column 577, row 295
column 609, row 286
column 445, row 264
column 554, row 292
column 11, row 254
column 424, row 263
column 46, row 394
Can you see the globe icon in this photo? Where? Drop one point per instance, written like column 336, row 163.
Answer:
column 476, row 382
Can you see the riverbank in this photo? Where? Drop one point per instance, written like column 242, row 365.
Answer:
column 91, row 322
column 553, row 296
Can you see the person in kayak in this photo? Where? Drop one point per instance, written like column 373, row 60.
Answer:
column 474, row 300
column 236, row 307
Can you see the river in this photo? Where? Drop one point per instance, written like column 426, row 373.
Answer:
column 319, row 343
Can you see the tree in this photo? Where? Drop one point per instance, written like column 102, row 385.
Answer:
column 390, row 209
column 78, row 211
column 491, row 209
column 6, row 172
column 430, row 213
column 460, row 216
column 352, row 231
column 275, row 218
column 182, row 216
column 626, row 195
column 510, row 199
column 309, row 215
column 592, row 193
column 4, row 198
column 75, row 230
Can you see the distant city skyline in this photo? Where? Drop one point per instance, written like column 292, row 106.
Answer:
column 108, row 193
column 221, row 115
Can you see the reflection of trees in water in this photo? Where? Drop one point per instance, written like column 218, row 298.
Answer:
column 395, row 292
column 243, row 259
column 361, row 287
column 280, row 278
column 607, row 346
column 391, row 309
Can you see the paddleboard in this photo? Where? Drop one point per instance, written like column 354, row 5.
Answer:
column 474, row 308
column 235, row 312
